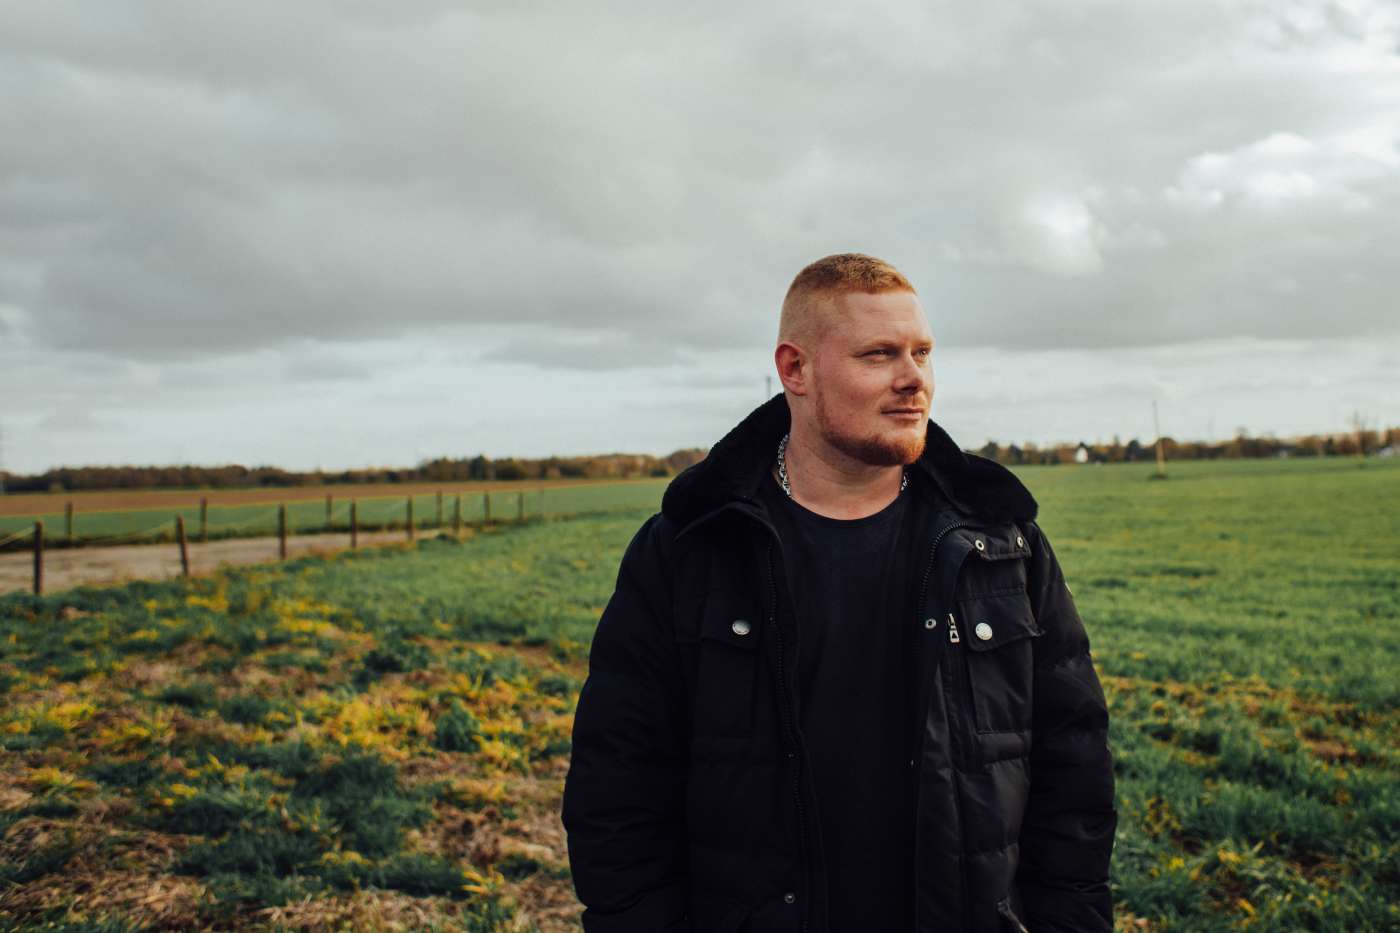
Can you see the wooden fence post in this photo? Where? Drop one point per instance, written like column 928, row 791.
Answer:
column 282, row 532
column 203, row 519
column 68, row 521
column 438, row 523
column 184, row 551
column 354, row 523
column 38, row 558
column 457, row 514
column 409, row 523
column 328, row 511
column 520, row 506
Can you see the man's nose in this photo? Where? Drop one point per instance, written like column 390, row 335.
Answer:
column 913, row 375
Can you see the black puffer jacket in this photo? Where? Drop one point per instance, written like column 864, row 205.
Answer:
column 688, row 804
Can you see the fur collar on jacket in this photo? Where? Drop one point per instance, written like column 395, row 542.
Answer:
column 736, row 465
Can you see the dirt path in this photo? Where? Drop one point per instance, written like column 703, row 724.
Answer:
column 67, row 567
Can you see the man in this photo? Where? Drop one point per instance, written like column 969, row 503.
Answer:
column 841, row 685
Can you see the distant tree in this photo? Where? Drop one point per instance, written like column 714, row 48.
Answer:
column 681, row 459
column 510, row 469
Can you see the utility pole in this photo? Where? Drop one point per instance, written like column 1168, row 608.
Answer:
column 768, row 384
column 1358, row 426
column 1161, row 453
column 2, row 459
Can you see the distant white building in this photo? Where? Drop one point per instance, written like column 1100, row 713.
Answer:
column 1081, row 454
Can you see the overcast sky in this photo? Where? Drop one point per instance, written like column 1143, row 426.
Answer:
column 350, row 234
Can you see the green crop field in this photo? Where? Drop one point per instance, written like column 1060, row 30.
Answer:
column 378, row 739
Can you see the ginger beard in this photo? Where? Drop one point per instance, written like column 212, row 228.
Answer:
column 892, row 448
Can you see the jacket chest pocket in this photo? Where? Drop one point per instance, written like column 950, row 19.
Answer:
column 999, row 638
column 728, row 666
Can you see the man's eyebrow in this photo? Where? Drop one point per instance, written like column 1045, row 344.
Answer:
column 880, row 343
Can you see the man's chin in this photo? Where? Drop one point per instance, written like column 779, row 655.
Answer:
column 882, row 451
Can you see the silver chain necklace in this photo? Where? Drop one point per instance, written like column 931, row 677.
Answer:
column 782, row 468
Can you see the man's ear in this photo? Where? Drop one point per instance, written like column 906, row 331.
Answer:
column 793, row 366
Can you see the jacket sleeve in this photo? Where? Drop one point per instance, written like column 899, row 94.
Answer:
column 625, row 792
column 1067, row 832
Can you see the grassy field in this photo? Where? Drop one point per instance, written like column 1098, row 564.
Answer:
column 379, row 739
column 151, row 518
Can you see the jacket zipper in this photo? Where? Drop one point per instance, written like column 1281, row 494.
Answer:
column 932, row 552
column 957, row 667
column 919, row 608
column 962, row 693
column 954, row 638
column 961, row 664
column 788, row 729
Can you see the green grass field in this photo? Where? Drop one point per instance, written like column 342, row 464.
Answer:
column 380, row 738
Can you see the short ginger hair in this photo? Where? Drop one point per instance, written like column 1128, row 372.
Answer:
column 807, row 303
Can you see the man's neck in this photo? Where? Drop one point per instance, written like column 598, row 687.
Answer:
column 830, row 483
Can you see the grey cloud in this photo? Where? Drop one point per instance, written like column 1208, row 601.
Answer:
column 721, row 379
column 585, row 352
column 326, row 368
column 181, row 181
column 76, row 421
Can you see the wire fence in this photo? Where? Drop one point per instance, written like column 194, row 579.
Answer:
column 17, row 536
column 331, row 514
column 200, row 522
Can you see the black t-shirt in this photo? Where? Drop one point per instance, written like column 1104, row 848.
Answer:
column 850, row 584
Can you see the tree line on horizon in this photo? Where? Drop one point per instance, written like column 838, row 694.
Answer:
column 638, row 466
column 438, row 470
column 1241, row 446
